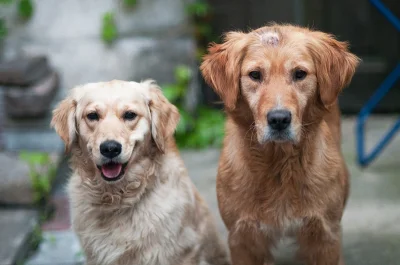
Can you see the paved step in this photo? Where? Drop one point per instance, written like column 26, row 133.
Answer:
column 16, row 228
column 58, row 248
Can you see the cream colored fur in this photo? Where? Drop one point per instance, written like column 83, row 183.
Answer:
column 154, row 214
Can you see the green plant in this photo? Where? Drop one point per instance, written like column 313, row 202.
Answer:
column 25, row 9
column 42, row 173
column 36, row 238
column 3, row 29
column 200, row 13
column 52, row 239
column 204, row 129
column 130, row 3
column 109, row 29
column 5, row 2
column 79, row 254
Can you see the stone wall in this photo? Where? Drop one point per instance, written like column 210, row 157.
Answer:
column 153, row 38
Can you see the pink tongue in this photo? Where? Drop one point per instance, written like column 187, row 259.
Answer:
column 111, row 170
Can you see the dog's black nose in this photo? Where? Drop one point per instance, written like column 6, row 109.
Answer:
column 279, row 119
column 110, row 149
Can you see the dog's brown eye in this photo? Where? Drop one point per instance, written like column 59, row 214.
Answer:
column 299, row 75
column 255, row 75
column 93, row 116
column 129, row 115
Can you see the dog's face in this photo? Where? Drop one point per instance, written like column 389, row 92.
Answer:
column 280, row 72
column 112, row 122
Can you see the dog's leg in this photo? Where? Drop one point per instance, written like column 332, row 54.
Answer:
column 249, row 252
column 320, row 244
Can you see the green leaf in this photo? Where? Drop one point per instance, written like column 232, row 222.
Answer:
column 186, row 122
column 183, row 74
column 35, row 158
column 3, row 29
column 44, row 185
column 51, row 172
column 52, row 239
column 130, row 3
column 5, row 2
column 198, row 8
column 208, row 130
column 204, row 30
column 25, row 9
column 109, row 29
column 172, row 92
column 79, row 254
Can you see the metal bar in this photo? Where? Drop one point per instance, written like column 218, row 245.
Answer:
column 387, row 13
column 366, row 159
column 363, row 158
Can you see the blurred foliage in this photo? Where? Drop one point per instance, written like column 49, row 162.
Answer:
column 25, row 12
column 25, row 9
column 200, row 13
column 36, row 238
column 3, row 29
column 42, row 173
column 130, row 3
column 204, row 129
column 109, row 29
column 5, row 2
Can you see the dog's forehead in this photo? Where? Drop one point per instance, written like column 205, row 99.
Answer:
column 270, row 38
column 114, row 91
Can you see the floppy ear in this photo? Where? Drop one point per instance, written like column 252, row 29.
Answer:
column 221, row 67
column 63, row 121
column 335, row 65
column 164, row 116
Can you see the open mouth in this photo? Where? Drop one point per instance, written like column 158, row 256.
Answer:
column 112, row 171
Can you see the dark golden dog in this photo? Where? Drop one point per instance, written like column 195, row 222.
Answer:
column 281, row 171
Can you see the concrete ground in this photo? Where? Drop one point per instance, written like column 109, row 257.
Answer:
column 371, row 223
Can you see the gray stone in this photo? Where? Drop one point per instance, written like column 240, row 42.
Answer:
column 15, row 180
column 68, row 32
column 32, row 134
column 33, row 140
column 89, row 60
column 76, row 19
column 16, row 229
column 33, row 101
column 2, row 119
column 23, row 71
column 58, row 248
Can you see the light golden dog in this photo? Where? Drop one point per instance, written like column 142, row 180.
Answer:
column 281, row 173
column 131, row 199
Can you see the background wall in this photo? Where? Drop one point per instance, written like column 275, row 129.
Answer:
column 371, row 36
column 69, row 32
column 154, row 37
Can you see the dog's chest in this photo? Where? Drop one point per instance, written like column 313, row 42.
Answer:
column 145, row 234
column 280, row 238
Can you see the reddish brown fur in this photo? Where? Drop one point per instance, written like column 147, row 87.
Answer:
column 268, row 189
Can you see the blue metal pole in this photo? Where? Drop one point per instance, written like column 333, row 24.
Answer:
column 363, row 158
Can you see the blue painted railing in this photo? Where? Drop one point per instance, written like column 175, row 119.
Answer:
column 364, row 158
